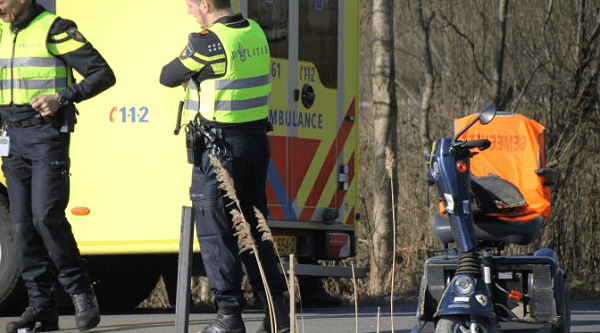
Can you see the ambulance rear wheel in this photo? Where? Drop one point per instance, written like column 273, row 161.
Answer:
column 13, row 297
column 454, row 324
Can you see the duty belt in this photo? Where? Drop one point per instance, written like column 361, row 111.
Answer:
column 31, row 121
column 225, row 132
column 200, row 138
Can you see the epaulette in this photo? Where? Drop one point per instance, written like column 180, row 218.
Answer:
column 206, row 43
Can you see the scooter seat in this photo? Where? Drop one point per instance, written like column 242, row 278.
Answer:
column 490, row 229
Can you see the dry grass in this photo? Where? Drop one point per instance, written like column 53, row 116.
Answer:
column 243, row 230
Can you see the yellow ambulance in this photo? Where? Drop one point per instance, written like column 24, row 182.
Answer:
column 129, row 172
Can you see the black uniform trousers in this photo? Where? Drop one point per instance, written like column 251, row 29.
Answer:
column 37, row 176
column 245, row 155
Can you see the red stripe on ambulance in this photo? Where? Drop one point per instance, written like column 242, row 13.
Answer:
column 328, row 165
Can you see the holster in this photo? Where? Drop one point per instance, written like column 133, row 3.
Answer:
column 65, row 119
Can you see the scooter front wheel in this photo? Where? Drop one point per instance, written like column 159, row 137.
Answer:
column 455, row 324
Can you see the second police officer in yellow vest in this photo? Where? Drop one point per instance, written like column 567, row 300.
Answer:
column 38, row 52
column 226, row 69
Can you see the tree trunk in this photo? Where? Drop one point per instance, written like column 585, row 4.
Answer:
column 428, row 88
column 384, row 110
column 503, row 10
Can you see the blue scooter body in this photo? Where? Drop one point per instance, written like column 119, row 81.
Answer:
column 476, row 303
column 453, row 186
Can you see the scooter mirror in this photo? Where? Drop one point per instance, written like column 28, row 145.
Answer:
column 487, row 114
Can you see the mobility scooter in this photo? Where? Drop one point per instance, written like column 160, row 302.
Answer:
column 493, row 188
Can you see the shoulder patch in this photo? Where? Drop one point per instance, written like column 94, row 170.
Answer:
column 76, row 35
column 207, row 43
column 188, row 51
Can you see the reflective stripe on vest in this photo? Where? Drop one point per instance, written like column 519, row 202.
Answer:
column 242, row 95
column 27, row 68
column 191, row 104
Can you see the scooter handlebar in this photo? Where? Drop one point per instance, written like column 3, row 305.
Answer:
column 482, row 144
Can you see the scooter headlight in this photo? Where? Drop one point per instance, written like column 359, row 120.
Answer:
column 463, row 284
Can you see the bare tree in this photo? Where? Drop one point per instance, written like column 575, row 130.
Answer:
column 499, row 56
column 384, row 110
column 575, row 152
column 424, row 25
column 545, row 51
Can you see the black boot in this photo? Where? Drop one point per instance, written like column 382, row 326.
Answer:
column 87, row 312
column 282, row 315
column 43, row 319
column 229, row 320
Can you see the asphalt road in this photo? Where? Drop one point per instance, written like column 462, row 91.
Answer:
column 585, row 317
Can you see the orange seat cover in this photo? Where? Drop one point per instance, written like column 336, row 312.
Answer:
column 516, row 152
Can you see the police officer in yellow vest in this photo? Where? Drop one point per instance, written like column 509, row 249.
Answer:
column 225, row 68
column 38, row 51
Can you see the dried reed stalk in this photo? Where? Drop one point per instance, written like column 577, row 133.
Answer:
column 243, row 230
column 292, row 294
column 355, row 299
column 389, row 166
column 267, row 235
column 378, row 316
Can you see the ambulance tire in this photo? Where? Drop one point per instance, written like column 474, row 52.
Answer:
column 13, row 296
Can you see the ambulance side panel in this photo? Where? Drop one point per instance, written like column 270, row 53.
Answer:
column 127, row 166
column 131, row 171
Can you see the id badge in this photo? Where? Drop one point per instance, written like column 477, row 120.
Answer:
column 4, row 145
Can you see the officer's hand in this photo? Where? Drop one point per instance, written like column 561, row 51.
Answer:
column 46, row 105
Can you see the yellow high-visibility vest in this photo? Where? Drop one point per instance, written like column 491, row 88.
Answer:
column 27, row 68
column 242, row 94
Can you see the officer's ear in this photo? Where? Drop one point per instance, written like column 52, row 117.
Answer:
column 206, row 6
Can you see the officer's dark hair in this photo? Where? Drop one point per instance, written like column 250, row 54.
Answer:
column 221, row 4
column 218, row 4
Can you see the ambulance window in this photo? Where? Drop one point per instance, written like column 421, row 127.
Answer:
column 272, row 16
column 319, row 37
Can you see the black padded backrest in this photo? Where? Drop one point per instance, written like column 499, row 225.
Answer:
column 492, row 230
